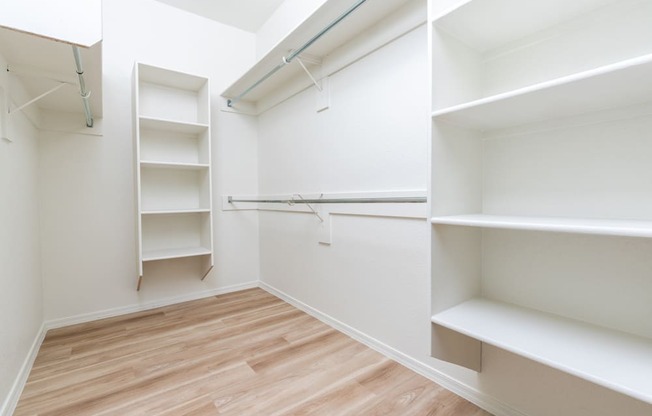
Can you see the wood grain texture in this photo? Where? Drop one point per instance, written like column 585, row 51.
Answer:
column 244, row 353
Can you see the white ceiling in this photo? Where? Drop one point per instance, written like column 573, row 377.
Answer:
column 248, row 15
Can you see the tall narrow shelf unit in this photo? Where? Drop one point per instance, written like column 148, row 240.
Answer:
column 541, row 186
column 173, row 156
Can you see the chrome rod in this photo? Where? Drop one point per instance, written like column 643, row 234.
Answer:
column 287, row 59
column 85, row 95
column 325, row 30
column 381, row 200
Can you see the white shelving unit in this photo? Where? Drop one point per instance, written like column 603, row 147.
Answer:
column 541, row 210
column 173, row 155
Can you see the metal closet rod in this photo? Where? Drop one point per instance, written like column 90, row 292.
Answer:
column 380, row 200
column 287, row 59
column 85, row 95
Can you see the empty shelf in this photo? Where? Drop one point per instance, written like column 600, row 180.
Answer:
column 612, row 359
column 623, row 228
column 176, row 211
column 175, row 253
column 611, row 86
column 153, row 123
column 173, row 165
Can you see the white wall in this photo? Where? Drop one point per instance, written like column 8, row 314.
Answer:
column 73, row 21
column 375, row 276
column 21, row 306
column 88, row 206
column 289, row 15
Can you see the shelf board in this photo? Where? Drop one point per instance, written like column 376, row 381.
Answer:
column 173, row 165
column 613, row 359
column 176, row 211
column 154, row 123
column 368, row 14
column 488, row 24
column 175, row 253
column 170, row 78
column 625, row 83
column 623, row 228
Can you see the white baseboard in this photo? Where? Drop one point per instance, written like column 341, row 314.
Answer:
column 482, row 400
column 9, row 405
column 11, row 401
column 109, row 313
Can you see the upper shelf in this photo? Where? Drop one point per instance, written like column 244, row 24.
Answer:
column 488, row 24
column 369, row 13
column 611, row 86
column 170, row 78
column 41, row 63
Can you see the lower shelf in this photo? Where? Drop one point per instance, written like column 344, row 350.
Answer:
column 616, row 360
column 175, row 253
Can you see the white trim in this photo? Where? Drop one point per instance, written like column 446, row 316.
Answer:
column 479, row 398
column 109, row 313
column 16, row 390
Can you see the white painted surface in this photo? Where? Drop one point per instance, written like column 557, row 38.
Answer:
column 247, row 15
column 616, row 85
column 524, row 130
column 21, row 302
column 572, row 346
column 88, row 209
column 72, row 21
column 486, row 25
column 589, row 41
column 287, row 16
column 364, row 26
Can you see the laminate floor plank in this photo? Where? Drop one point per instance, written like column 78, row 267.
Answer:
column 239, row 354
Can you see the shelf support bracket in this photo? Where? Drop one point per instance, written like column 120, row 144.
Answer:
column 35, row 99
column 314, row 81
column 310, row 207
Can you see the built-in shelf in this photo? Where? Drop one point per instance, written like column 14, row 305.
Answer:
column 611, row 86
column 176, row 253
column 173, row 165
column 612, row 359
column 488, row 24
column 367, row 15
column 624, row 228
column 153, row 123
column 176, row 211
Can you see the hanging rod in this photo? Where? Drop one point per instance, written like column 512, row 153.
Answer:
column 85, row 95
column 287, row 59
column 381, row 200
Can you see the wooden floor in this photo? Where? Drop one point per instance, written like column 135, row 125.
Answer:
column 245, row 353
